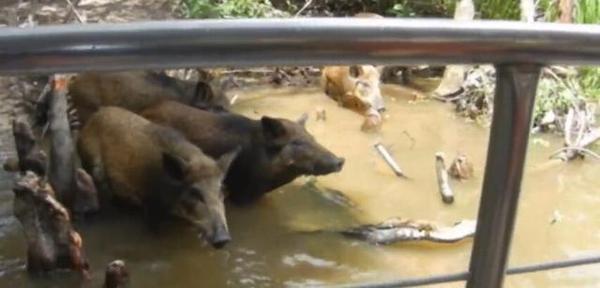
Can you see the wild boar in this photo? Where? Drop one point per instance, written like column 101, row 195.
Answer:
column 355, row 87
column 154, row 167
column 273, row 151
column 52, row 243
column 136, row 90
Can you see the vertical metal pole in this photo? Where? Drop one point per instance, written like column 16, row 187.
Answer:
column 513, row 104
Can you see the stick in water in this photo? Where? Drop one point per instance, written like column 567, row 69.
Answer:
column 442, row 177
column 389, row 160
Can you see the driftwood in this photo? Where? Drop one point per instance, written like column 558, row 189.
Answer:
column 578, row 135
column 399, row 230
column 442, row 177
column 74, row 186
column 29, row 155
column 52, row 243
column 116, row 275
column 389, row 160
column 62, row 159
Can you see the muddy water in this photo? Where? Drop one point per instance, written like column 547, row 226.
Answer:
column 272, row 246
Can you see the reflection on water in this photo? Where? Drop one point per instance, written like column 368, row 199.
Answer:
column 275, row 243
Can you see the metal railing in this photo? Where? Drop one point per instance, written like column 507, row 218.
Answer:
column 517, row 49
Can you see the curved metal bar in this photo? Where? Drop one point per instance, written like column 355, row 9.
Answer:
column 462, row 276
column 307, row 41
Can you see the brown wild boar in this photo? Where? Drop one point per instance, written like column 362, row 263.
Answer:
column 147, row 165
column 273, row 151
column 52, row 243
column 357, row 88
column 136, row 90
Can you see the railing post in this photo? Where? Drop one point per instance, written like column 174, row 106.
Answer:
column 513, row 105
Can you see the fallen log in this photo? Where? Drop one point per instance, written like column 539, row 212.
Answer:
column 52, row 243
column 75, row 188
column 399, row 230
column 442, row 177
column 29, row 156
column 62, row 163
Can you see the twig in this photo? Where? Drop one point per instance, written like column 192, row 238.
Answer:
column 389, row 160
column 77, row 15
column 590, row 138
column 303, row 8
column 578, row 149
column 568, row 125
column 412, row 139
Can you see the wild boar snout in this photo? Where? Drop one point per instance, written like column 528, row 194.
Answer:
column 220, row 236
column 328, row 165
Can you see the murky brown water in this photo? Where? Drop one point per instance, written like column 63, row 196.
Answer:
column 269, row 249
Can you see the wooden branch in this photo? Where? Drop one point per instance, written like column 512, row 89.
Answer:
column 442, row 179
column 389, row 160
column 62, row 163
column 29, row 156
column 563, row 154
column 52, row 243
column 74, row 187
column 306, row 5
column 398, row 230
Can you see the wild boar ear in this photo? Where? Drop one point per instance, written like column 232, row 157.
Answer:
column 354, row 71
column 302, row 120
column 84, row 181
column 272, row 128
column 225, row 161
column 175, row 166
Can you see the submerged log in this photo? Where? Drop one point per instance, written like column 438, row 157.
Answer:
column 52, row 243
column 116, row 275
column 62, row 164
column 398, row 230
column 442, row 177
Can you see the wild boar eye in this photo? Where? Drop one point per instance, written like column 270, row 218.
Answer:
column 296, row 143
column 197, row 195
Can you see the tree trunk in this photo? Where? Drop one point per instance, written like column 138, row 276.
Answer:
column 566, row 11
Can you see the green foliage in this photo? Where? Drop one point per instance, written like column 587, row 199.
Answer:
column 587, row 12
column 589, row 79
column 230, row 9
column 550, row 9
column 498, row 9
column 553, row 95
column 408, row 8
